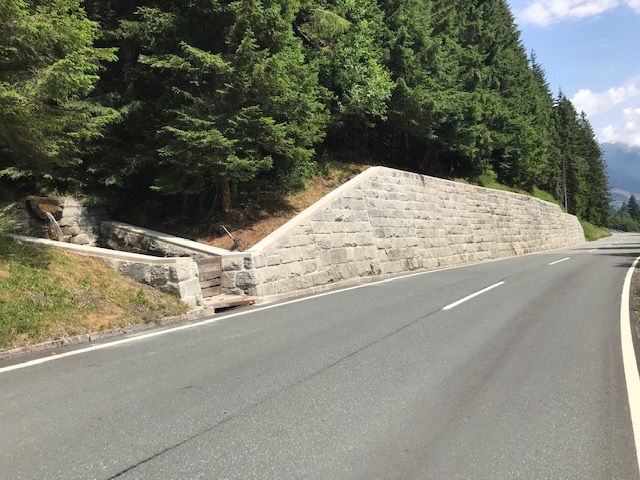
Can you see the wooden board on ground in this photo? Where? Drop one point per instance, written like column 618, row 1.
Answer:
column 226, row 301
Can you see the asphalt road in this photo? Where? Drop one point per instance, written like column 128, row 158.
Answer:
column 395, row 379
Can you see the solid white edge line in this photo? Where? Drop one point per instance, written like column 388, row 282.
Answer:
column 469, row 297
column 157, row 333
column 629, row 360
column 54, row 356
column 558, row 261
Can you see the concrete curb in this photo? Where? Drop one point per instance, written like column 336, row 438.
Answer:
column 194, row 314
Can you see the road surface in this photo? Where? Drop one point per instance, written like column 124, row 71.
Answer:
column 502, row 370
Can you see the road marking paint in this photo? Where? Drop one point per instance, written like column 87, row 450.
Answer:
column 469, row 297
column 629, row 360
column 609, row 245
column 558, row 261
column 207, row 321
column 591, row 251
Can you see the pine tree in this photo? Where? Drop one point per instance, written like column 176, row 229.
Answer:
column 597, row 192
column 231, row 108
column 48, row 66
column 633, row 208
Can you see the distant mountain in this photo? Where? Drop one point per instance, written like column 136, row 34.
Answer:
column 623, row 168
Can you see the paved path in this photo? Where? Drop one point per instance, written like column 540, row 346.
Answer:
column 504, row 370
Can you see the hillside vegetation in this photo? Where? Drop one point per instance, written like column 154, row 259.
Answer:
column 50, row 294
column 193, row 108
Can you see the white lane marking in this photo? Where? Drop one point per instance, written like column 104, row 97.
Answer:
column 609, row 245
column 558, row 261
column 237, row 314
column 629, row 360
column 208, row 321
column 157, row 333
column 591, row 251
column 469, row 297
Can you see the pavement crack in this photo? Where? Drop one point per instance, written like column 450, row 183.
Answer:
column 275, row 394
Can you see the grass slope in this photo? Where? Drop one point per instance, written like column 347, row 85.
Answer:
column 47, row 294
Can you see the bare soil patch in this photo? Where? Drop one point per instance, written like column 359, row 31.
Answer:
column 254, row 219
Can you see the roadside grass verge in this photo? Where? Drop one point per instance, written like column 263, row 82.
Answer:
column 489, row 180
column 48, row 294
column 592, row 232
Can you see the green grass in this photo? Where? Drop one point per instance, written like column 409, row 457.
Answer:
column 547, row 197
column 46, row 294
column 489, row 180
column 593, row 232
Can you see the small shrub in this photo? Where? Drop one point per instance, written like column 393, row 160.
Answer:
column 593, row 232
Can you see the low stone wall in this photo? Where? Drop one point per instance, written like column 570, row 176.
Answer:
column 129, row 238
column 177, row 276
column 388, row 221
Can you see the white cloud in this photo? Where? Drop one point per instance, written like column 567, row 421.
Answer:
column 634, row 5
column 546, row 12
column 631, row 134
column 593, row 103
column 608, row 135
column 626, row 129
column 615, row 113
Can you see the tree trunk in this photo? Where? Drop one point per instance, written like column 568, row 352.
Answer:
column 234, row 190
column 225, row 194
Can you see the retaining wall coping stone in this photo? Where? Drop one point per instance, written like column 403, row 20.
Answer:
column 105, row 252
column 170, row 239
column 326, row 201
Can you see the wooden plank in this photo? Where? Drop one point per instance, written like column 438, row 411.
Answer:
column 210, row 292
column 209, row 266
column 209, row 274
column 209, row 261
column 206, row 276
column 209, row 270
column 225, row 301
column 210, row 283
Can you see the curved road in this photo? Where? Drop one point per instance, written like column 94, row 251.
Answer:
column 503, row 370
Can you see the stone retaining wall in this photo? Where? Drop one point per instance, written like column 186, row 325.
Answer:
column 79, row 223
column 178, row 277
column 388, row 221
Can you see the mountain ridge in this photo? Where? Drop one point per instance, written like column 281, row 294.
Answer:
column 623, row 168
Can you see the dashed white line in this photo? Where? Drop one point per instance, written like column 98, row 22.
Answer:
column 594, row 250
column 629, row 360
column 558, row 261
column 469, row 297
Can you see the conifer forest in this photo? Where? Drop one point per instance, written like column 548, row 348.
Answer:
column 183, row 105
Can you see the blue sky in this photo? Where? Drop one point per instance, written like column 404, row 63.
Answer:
column 591, row 50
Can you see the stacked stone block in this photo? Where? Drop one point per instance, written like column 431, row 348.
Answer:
column 79, row 223
column 387, row 222
column 179, row 278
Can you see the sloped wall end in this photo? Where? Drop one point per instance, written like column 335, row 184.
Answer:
column 388, row 221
